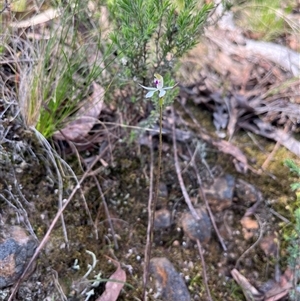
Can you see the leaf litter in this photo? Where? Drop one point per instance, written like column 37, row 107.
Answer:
column 114, row 284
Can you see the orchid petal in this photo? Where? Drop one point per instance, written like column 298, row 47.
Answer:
column 162, row 92
column 148, row 88
column 168, row 88
column 150, row 93
column 160, row 80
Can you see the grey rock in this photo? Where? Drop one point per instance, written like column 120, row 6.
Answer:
column 16, row 249
column 169, row 284
column 197, row 229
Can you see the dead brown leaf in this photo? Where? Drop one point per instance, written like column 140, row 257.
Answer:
column 85, row 119
column 250, row 292
column 114, row 285
column 281, row 289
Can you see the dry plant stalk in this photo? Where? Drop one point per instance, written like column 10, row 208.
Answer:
column 178, row 172
column 51, row 227
column 151, row 206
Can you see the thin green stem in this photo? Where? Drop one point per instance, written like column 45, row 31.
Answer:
column 151, row 213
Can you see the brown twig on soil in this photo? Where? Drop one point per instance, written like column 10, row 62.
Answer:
column 75, row 150
column 178, row 172
column 106, row 212
column 203, row 196
column 46, row 237
column 285, row 220
column 252, row 246
column 204, row 269
column 275, row 148
column 58, row 286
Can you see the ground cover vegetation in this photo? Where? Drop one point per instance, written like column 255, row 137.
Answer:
column 125, row 182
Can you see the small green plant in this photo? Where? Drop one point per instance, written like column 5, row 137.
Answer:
column 57, row 79
column 294, row 238
column 151, row 35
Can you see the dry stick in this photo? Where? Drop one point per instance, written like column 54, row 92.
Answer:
column 107, row 213
column 203, row 196
column 275, row 149
column 74, row 149
column 261, row 232
column 204, row 269
column 44, row 240
column 178, row 171
column 152, row 205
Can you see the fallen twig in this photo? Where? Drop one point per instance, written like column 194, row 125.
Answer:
column 178, row 172
column 51, row 227
column 275, row 148
column 203, row 196
column 107, row 213
column 204, row 270
column 252, row 246
column 223, row 146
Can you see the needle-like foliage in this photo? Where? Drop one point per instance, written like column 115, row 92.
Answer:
column 151, row 35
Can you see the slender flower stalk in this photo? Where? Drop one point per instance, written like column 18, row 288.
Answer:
column 159, row 82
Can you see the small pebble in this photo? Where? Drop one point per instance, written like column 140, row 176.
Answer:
column 220, row 193
column 16, row 248
column 197, row 229
column 176, row 243
column 169, row 284
column 162, row 219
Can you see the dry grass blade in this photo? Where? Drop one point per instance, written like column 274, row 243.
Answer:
column 281, row 289
column 116, row 245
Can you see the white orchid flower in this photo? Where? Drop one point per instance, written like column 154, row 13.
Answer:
column 159, row 82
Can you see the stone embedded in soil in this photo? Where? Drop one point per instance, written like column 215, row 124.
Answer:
column 269, row 244
column 246, row 192
column 16, row 249
column 162, row 219
column 163, row 191
column 197, row 229
column 169, row 284
column 220, row 193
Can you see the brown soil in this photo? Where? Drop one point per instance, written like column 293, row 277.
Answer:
column 28, row 175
